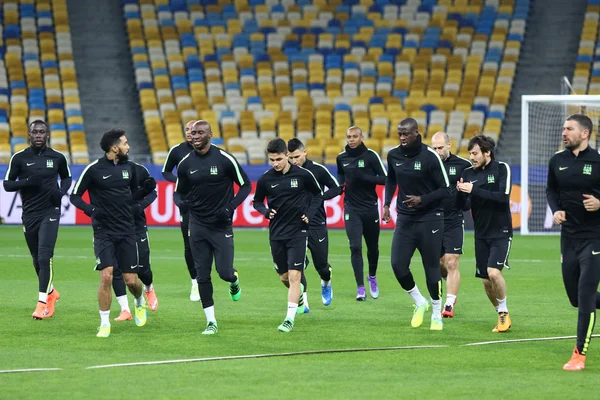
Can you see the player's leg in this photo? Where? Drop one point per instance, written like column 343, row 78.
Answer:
column 189, row 258
column 403, row 248
column 296, row 253
column 203, row 252
column 222, row 242
column 47, row 236
column 120, row 290
column 104, row 250
column 318, row 244
column 371, row 229
column 354, row 231
column 429, row 244
column 31, row 229
column 145, row 271
column 452, row 247
column 498, row 259
column 128, row 259
column 588, row 255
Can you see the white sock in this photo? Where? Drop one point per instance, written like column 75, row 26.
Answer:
column 123, row 302
column 291, row 311
column 325, row 283
column 502, row 305
column 194, row 282
column 210, row 314
column 417, row 296
column 496, row 307
column 43, row 297
column 105, row 318
column 436, row 308
column 305, row 294
column 149, row 288
column 139, row 301
column 450, row 299
column 51, row 287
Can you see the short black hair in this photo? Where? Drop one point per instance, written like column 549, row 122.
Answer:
column 583, row 120
column 111, row 138
column 277, row 146
column 485, row 143
column 411, row 122
column 295, row 144
column 39, row 121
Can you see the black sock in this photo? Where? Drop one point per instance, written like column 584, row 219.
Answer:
column 325, row 273
column 118, row 283
column 434, row 290
column 585, row 327
column 303, row 280
column 407, row 281
column 146, row 276
column 356, row 259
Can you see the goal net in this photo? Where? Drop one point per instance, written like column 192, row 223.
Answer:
column 542, row 119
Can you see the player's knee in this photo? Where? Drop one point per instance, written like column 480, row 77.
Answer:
column 355, row 248
column 452, row 264
column 106, row 277
column 494, row 274
column 284, row 278
column 130, row 279
column 202, row 279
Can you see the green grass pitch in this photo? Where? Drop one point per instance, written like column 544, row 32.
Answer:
column 536, row 300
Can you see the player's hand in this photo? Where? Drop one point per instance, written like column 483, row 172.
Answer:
column 98, row 213
column 56, row 197
column 304, row 219
column 270, row 214
column 184, row 206
column 465, row 187
column 412, row 201
column 559, row 217
column 591, row 203
column 149, row 184
column 224, row 214
column 386, row 214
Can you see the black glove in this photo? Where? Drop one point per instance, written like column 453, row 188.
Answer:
column 56, row 197
column 268, row 214
column 149, row 184
column 98, row 213
column 33, row 181
column 184, row 206
column 224, row 213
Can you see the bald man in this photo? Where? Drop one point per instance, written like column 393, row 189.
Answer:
column 176, row 154
column 360, row 169
column 205, row 181
column 454, row 224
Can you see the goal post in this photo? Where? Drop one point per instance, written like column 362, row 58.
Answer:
column 542, row 118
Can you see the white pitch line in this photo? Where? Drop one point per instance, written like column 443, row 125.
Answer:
column 242, row 357
column 522, row 340
column 11, row 371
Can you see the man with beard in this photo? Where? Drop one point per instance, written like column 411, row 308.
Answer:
column 318, row 240
column 359, row 170
column 205, row 179
column 573, row 193
column 454, row 225
column 113, row 188
column 176, row 154
column 36, row 168
column 418, row 173
column 488, row 184
column 293, row 197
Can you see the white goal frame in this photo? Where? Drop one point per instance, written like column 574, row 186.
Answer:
column 592, row 100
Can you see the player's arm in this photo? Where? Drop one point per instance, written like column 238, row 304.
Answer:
column 83, row 184
column 312, row 186
column 378, row 168
column 333, row 187
column 552, row 191
column 340, row 172
column 502, row 195
column 463, row 200
column 142, row 175
column 11, row 184
column 438, row 172
column 241, row 179
column 390, row 184
column 170, row 164
column 259, row 199
column 65, row 175
column 182, row 188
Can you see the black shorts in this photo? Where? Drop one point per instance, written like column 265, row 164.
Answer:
column 453, row 239
column 143, row 247
column 42, row 231
column 491, row 253
column 112, row 251
column 289, row 254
